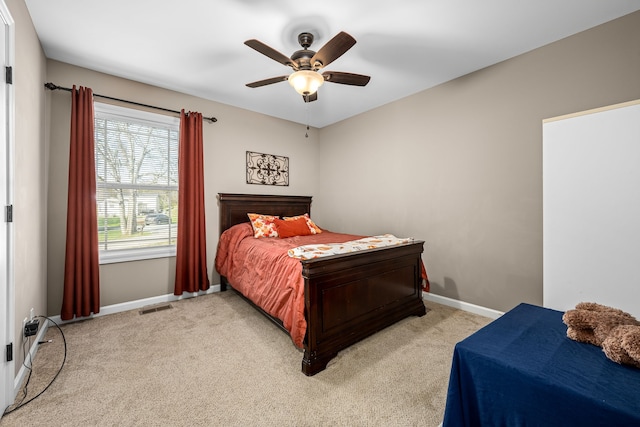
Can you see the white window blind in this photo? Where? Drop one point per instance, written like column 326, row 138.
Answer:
column 137, row 183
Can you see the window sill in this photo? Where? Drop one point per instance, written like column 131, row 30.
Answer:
column 126, row 255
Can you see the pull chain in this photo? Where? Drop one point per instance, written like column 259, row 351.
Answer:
column 306, row 108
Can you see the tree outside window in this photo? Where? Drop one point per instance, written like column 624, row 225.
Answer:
column 137, row 183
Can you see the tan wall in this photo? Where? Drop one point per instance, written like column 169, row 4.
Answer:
column 460, row 165
column 225, row 144
column 30, row 166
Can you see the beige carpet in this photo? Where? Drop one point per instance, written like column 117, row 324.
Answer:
column 215, row 361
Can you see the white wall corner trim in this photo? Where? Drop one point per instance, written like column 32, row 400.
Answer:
column 7, row 232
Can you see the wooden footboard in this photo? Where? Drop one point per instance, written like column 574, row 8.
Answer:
column 350, row 297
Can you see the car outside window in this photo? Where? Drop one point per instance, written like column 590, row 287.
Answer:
column 137, row 183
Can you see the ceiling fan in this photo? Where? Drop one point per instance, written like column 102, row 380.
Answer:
column 305, row 63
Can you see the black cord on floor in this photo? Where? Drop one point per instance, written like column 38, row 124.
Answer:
column 30, row 368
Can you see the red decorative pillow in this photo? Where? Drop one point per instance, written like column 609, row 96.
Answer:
column 312, row 226
column 291, row 228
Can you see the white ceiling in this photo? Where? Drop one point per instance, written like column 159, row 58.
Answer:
column 406, row 46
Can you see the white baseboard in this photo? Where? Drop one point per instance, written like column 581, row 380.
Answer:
column 461, row 305
column 133, row 305
column 22, row 373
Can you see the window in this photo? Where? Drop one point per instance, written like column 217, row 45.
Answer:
column 137, row 183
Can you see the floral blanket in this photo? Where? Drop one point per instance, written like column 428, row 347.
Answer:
column 328, row 249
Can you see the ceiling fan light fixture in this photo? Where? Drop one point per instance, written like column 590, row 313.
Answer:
column 306, row 82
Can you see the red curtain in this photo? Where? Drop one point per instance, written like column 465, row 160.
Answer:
column 191, row 253
column 81, row 295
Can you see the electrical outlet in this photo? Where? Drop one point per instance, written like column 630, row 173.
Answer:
column 31, row 328
column 24, row 326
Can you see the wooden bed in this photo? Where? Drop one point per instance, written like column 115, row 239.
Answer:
column 347, row 297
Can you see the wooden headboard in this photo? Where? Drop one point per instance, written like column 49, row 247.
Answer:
column 234, row 207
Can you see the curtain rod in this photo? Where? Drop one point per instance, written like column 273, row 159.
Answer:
column 52, row 86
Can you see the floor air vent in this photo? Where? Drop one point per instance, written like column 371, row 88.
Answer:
column 147, row 310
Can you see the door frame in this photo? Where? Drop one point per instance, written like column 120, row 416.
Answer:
column 7, row 285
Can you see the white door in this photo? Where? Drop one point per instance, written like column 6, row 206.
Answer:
column 7, row 368
column 591, row 207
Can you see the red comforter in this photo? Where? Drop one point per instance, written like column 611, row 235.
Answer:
column 262, row 271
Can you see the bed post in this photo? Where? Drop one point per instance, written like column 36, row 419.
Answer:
column 348, row 298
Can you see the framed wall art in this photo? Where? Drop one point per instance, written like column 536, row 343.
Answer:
column 267, row 169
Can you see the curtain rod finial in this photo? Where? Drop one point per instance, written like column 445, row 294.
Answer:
column 50, row 86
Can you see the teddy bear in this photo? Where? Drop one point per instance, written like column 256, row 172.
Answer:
column 623, row 345
column 617, row 332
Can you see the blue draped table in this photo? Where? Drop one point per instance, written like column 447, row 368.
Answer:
column 522, row 370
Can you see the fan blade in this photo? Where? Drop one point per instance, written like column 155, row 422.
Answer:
column 346, row 78
column 310, row 98
column 332, row 50
column 268, row 81
column 271, row 53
